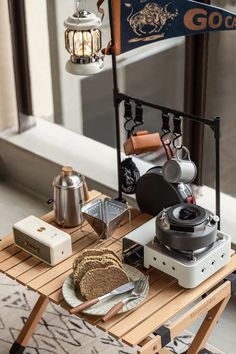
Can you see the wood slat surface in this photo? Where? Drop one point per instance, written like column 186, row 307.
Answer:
column 15, row 262
column 23, row 267
column 149, row 325
column 11, row 262
column 6, row 242
column 8, row 252
column 165, row 296
column 189, row 317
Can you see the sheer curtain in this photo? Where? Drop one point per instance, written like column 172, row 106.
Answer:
column 8, row 108
column 221, row 102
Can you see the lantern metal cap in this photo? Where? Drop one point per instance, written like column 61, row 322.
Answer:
column 82, row 20
column 86, row 69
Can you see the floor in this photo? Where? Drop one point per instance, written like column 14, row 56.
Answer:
column 17, row 203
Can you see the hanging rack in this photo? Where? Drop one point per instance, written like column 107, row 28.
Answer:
column 213, row 123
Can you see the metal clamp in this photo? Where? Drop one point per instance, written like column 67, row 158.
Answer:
column 128, row 115
column 138, row 119
column 166, row 142
column 164, row 333
column 177, row 132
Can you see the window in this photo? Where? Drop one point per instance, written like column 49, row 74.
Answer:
column 70, row 100
column 156, row 74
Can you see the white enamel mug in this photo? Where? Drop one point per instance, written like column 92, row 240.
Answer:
column 177, row 170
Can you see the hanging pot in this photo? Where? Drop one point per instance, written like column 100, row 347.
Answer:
column 153, row 193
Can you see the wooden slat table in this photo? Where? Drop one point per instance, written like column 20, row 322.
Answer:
column 143, row 326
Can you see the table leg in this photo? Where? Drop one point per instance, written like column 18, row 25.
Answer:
column 207, row 326
column 19, row 346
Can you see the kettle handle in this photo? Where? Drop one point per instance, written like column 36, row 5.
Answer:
column 86, row 191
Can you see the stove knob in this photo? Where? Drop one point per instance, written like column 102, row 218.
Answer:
column 203, row 270
column 214, row 219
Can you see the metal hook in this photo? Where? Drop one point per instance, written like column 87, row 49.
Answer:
column 138, row 120
column 177, row 132
column 166, row 131
column 128, row 116
column 138, row 114
column 165, row 125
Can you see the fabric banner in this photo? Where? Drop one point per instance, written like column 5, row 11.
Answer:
column 140, row 22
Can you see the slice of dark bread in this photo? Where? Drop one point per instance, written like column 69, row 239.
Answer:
column 101, row 258
column 94, row 252
column 97, row 282
column 88, row 264
column 99, row 263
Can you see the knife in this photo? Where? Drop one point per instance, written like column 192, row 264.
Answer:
column 120, row 290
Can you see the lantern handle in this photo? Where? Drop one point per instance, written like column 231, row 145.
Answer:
column 77, row 6
column 101, row 10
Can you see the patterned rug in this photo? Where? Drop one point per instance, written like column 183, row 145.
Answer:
column 58, row 332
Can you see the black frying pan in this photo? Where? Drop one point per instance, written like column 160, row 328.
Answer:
column 153, row 193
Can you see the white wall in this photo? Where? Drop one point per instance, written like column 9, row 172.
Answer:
column 8, row 110
column 39, row 58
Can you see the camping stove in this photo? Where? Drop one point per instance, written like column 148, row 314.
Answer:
column 182, row 243
column 190, row 269
column 187, row 244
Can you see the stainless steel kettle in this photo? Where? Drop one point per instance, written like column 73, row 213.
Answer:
column 68, row 197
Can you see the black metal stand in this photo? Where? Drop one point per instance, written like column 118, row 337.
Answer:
column 116, row 102
column 214, row 123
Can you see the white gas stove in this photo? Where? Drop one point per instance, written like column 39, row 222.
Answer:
column 190, row 269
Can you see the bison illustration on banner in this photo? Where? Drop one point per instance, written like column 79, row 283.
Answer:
column 152, row 15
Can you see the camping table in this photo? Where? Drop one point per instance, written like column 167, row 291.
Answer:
column 143, row 327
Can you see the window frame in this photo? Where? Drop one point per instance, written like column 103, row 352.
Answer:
column 21, row 64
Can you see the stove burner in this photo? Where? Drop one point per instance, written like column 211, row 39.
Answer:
column 189, row 255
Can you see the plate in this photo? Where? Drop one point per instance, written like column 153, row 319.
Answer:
column 101, row 308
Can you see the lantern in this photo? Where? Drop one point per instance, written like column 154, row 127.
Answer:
column 83, row 42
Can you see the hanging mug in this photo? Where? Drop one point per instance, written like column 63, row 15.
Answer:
column 179, row 170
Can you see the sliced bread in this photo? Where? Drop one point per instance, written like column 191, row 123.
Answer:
column 88, row 264
column 94, row 252
column 100, row 281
